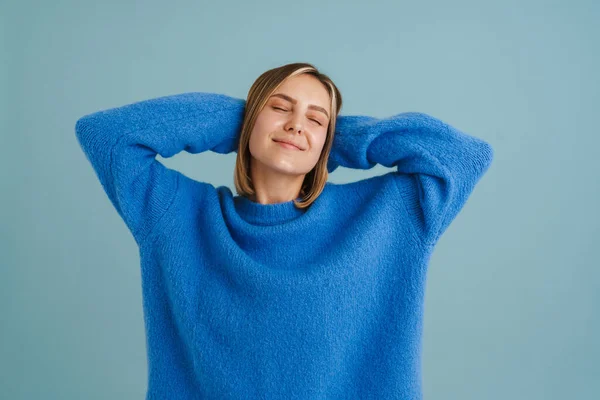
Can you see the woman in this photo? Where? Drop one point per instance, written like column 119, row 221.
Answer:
column 295, row 287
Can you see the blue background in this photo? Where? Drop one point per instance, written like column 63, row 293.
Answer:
column 514, row 284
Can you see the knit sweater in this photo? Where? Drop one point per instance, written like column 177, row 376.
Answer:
column 244, row 300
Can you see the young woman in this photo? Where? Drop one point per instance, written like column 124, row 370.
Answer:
column 295, row 287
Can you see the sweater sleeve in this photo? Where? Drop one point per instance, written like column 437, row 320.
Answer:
column 122, row 143
column 437, row 165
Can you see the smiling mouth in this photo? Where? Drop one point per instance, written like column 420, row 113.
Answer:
column 287, row 145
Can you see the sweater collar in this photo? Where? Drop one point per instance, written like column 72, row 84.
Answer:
column 266, row 214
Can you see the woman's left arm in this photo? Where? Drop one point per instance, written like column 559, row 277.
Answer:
column 437, row 165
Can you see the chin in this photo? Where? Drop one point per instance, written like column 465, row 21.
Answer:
column 286, row 168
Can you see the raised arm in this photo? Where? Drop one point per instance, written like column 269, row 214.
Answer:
column 122, row 144
column 437, row 165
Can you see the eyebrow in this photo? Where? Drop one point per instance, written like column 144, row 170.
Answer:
column 294, row 101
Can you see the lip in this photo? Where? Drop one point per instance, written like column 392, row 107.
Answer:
column 288, row 142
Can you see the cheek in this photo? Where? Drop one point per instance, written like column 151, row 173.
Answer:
column 256, row 142
column 259, row 140
column 319, row 141
column 260, row 131
column 266, row 122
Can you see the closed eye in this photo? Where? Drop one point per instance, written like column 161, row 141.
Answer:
column 277, row 108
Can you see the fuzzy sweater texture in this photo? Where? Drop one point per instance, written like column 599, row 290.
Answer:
column 244, row 300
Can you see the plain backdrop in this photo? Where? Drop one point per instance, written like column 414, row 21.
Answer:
column 513, row 285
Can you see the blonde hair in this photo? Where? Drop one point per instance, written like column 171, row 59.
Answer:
column 258, row 95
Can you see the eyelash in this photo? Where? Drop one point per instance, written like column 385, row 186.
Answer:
column 277, row 108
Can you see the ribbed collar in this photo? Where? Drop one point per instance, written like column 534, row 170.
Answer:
column 266, row 214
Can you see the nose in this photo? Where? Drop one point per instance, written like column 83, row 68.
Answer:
column 294, row 125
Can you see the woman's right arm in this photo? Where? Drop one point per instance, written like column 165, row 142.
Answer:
column 122, row 143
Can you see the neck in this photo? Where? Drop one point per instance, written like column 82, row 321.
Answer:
column 272, row 186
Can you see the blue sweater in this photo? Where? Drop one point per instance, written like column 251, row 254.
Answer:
column 244, row 300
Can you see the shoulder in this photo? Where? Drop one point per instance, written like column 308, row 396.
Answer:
column 352, row 198
column 191, row 188
column 192, row 197
column 372, row 203
column 363, row 189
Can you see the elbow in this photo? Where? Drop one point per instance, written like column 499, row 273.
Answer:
column 86, row 125
column 82, row 125
column 485, row 156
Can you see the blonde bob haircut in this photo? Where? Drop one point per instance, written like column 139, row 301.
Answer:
column 258, row 95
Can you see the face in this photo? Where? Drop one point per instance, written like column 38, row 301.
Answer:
column 297, row 112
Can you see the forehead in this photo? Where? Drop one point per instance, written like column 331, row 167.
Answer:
column 305, row 88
